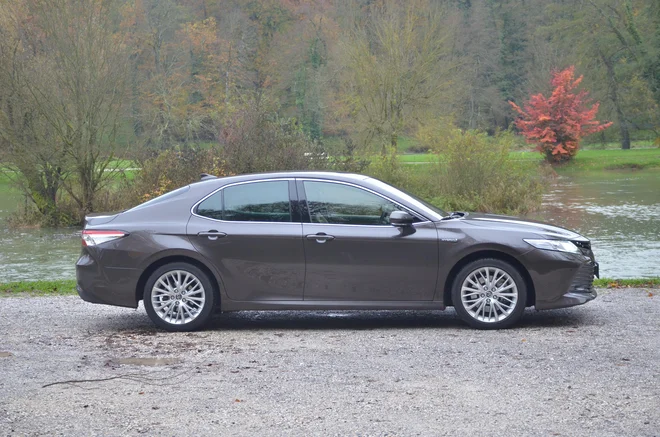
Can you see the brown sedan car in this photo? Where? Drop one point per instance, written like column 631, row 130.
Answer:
column 312, row 240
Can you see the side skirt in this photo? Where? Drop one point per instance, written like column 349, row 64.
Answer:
column 293, row 305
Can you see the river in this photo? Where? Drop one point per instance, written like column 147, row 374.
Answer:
column 618, row 210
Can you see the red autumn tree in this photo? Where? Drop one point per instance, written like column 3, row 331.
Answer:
column 557, row 123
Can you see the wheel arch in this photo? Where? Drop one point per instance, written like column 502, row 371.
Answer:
column 481, row 254
column 147, row 272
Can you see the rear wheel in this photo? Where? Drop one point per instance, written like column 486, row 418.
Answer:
column 179, row 297
column 489, row 294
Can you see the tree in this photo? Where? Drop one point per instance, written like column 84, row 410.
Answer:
column 557, row 123
column 396, row 68
column 257, row 139
column 29, row 150
column 611, row 40
column 70, row 75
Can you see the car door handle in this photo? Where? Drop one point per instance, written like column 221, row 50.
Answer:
column 320, row 237
column 212, row 234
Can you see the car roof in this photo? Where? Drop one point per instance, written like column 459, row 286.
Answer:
column 337, row 176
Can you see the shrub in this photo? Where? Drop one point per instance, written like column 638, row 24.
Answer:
column 256, row 139
column 474, row 173
column 165, row 171
column 418, row 148
column 346, row 158
column 478, row 174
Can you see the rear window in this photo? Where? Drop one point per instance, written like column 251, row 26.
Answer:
column 264, row 201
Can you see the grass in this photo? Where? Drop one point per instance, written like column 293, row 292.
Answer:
column 418, row 157
column 627, row 283
column 404, row 143
column 592, row 160
column 586, row 160
column 610, row 145
column 62, row 287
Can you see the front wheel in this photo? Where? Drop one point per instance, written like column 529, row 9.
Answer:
column 489, row 294
column 179, row 297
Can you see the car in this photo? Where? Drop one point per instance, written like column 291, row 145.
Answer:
column 325, row 241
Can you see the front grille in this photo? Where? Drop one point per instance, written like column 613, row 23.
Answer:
column 584, row 279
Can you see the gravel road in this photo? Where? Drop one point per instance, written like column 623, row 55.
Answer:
column 587, row 371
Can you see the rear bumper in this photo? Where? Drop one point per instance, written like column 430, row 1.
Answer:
column 109, row 286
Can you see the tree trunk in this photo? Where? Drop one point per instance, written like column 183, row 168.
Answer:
column 616, row 101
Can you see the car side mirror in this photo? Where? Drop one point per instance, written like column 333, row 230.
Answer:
column 401, row 218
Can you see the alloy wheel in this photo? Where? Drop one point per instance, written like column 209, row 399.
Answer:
column 178, row 297
column 489, row 294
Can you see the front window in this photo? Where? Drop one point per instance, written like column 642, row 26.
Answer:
column 411, row 198
column 347, row 205
column 251, row 202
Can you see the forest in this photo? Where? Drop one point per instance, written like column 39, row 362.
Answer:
column 91, row 90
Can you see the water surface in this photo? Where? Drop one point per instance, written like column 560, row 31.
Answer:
column 619, row 211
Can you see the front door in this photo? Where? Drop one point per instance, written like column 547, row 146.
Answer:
column 353, row 253
column 247, row 231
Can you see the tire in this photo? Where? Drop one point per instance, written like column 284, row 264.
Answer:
column 174, row 308
column 484, row 304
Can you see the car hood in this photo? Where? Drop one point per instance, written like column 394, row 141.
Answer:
column 508, row 223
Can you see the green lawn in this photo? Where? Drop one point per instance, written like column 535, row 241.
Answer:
column 585, row 159
column 627, row 283
column 5, row 185
column 39, row 288
column 418, row 157
column 611, row 145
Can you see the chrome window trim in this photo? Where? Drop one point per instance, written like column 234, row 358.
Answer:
column 417, row 214
column 194, row 207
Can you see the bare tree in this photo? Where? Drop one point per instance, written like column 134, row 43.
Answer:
column 29, row 151
column 396, row 66
column 70, row 74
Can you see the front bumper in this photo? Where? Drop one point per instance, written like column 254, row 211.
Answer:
column 563, row 280
column 581, row 289
column 569, row 299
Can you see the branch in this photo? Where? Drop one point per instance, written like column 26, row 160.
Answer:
column 128, row 376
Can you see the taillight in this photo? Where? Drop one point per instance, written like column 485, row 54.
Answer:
column 92, row 238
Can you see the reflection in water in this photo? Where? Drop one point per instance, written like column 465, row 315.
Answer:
column 618, row 210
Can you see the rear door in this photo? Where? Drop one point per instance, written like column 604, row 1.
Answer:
column 353, row 253
column 253, row 235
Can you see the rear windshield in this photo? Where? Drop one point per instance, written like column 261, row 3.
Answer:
column 163, row 198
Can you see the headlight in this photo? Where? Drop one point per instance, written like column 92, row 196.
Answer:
column 560, row 245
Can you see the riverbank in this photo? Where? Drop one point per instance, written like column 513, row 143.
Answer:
column 67, row 287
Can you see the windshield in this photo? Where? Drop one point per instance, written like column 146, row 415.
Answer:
column 411, row 198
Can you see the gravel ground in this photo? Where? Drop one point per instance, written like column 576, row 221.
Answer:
column 586, row 371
